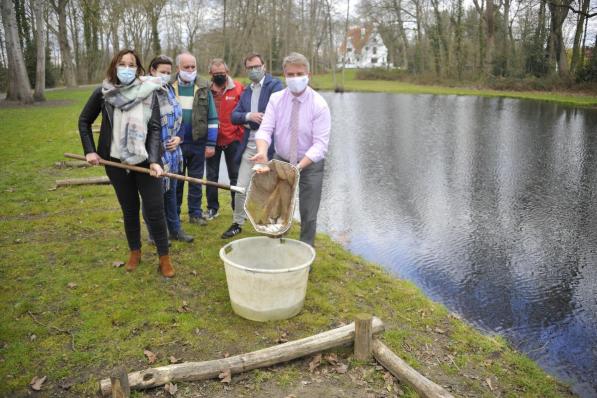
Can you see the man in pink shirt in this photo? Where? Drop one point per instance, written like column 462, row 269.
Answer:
column 299, row 120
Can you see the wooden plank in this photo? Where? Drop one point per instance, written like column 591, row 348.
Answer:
column 83, row 181
column 194, row 371
column 120, row 383
column 71, row 163
column 407, row 375
column 363, row 337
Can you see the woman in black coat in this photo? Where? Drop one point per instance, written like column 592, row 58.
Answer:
column 130, row 133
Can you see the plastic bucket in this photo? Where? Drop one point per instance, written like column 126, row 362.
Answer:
column 267, row 278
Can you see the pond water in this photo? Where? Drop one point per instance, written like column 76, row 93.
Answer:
column 488, row 205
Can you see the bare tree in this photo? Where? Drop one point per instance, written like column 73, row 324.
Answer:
column 68, row 66
column 19, row 87
column 40, row 42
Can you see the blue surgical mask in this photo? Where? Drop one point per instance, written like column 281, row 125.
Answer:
column 165, row 78
column 188, row 76
column 125, row 74
column 297, row 84
column 256, row 74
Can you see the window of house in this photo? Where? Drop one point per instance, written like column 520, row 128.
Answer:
column 373, row 60
column 349, row 49
column 374, row 50
column 367, row 48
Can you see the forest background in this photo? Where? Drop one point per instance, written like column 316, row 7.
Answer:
column 505, row 44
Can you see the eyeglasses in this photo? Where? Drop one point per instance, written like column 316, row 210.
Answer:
column 255, row 67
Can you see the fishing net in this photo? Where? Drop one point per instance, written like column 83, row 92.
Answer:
column 271, row 198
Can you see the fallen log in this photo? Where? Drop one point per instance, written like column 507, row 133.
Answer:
column 195, row 371
column 407, row 375
column 83, row 181
column 71, row 163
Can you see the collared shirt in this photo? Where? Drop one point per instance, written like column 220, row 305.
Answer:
column 313, row 129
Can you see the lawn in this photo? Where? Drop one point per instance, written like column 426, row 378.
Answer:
column 69, row 314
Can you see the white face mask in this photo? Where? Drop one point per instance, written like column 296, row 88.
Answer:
column 298, row 84
column 188, row 76
column 164, row 77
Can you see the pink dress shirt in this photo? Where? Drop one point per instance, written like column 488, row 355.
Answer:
column 313, row 129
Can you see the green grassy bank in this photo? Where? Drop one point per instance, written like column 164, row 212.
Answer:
column 67, row 313
column 325, row 82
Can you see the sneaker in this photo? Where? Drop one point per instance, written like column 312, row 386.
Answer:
column 181, row 236
column 234, row 229
column 211, row 214
column 198, row 220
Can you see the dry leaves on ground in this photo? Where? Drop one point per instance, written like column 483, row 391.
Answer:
column 37, row 382
column 225, row 376
column 118, row 264
column 184, row 308
column 151, row 357
column 315, row 362
column 173, row 359
column 171, row 389
column 71, row 285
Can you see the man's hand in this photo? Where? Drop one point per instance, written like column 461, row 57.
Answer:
column 209, row 151
column 260, row 157
column 173, row 143
column 256, row 117
column 155, row 170
column 92, row 158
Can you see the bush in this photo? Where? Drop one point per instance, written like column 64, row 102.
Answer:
column 380, row 74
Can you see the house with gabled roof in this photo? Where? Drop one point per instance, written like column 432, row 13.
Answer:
column 363, row 47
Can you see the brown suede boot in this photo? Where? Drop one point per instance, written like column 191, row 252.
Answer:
column 166, row 267
column 134, row 260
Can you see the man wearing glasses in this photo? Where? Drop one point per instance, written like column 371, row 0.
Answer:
column 249, row 112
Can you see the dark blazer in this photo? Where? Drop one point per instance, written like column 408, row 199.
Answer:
column 90, row 112
column 239, row 114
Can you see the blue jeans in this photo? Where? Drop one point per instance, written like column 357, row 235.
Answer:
column 193, row 165
column 213, row 172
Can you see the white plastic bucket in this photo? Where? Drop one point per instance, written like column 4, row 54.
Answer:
column 267, row 277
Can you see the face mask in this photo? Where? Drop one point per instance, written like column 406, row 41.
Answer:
column 188, row 76
column 219, row 80
column 125, row 74
column 255, row 75
column 165, row 78
column 298, row 84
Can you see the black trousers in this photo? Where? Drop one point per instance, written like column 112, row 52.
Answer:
column 128, row 185
column 213, row 172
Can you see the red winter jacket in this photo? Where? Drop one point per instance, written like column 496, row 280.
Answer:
column 225, row 104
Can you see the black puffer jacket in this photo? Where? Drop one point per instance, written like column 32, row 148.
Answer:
column 92, row 109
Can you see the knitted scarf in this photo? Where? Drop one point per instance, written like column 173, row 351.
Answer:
column 131, row 100
column 171, row 120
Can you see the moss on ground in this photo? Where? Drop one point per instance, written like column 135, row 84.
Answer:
column 67, row 313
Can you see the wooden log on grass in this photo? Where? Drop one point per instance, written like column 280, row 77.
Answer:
column 71, row 163
column 406, row 374
column 83, row 181
column 195, row 371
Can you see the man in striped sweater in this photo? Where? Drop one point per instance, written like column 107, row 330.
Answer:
column 200, row 127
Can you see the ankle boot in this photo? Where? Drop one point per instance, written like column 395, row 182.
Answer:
column 166, row 266
column 134, row 260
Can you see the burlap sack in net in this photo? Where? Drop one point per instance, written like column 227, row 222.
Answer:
column 271, row 198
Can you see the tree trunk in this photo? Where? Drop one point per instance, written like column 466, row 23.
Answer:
column 68, row 68
column 40, row 42
column 576, row 49
column 557, row 54
column 20, row 87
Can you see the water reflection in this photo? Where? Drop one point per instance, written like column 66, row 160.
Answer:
column 487, row 204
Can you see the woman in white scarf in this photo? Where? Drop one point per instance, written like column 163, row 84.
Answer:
column 130, row 133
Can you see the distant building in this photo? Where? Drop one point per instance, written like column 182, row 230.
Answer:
column 364, row 48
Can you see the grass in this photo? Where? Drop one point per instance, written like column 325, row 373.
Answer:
column 67, row 313
column 325, row 82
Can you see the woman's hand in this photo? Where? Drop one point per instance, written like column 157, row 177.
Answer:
column 155, row 170
column 173, row 143
column 92, row 158
column 209, row 151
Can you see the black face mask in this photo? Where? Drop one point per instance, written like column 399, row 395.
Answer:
column 219, row 80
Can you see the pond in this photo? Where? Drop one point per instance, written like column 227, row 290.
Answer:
column 489, row 205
